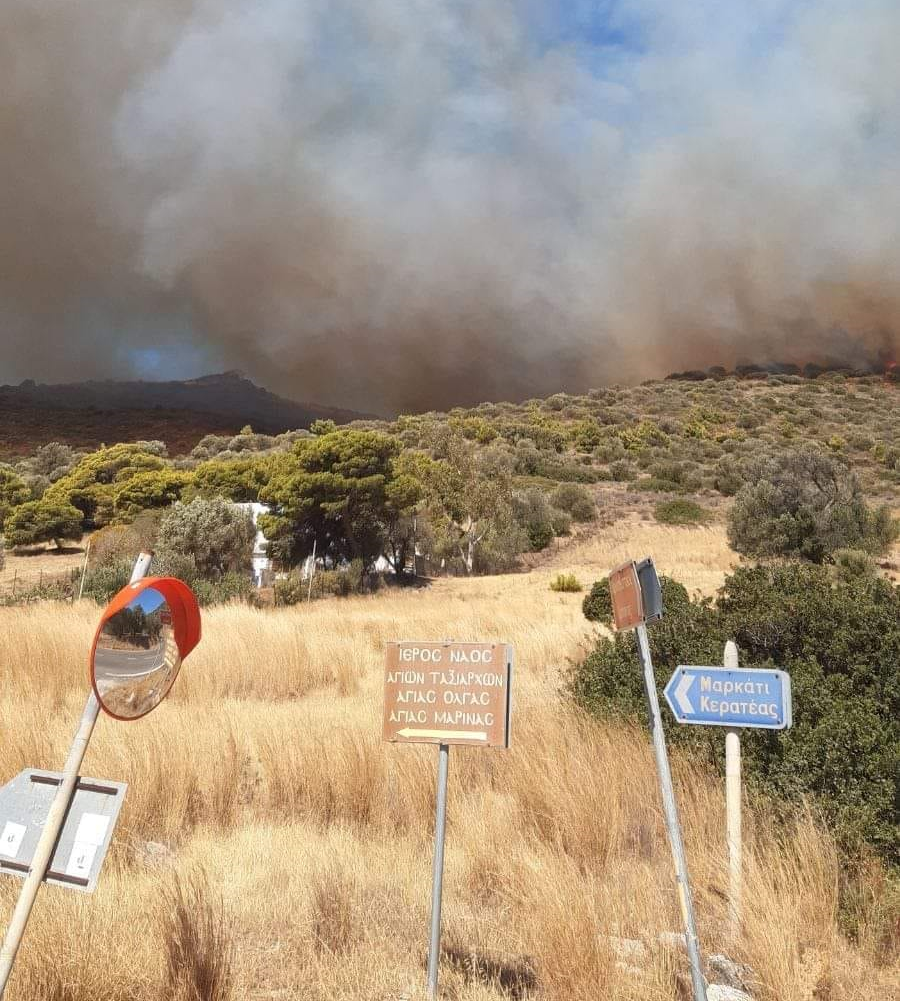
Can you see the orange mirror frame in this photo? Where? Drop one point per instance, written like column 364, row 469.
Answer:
column 183, row 608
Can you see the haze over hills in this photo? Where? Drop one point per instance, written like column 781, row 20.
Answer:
column 87, row 414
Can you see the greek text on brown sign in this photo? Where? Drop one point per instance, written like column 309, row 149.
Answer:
column 448, row 693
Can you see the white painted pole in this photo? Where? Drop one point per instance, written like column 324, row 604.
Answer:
column 59, row 808
column 87, row 553
column 733, row 810
column 312, row 571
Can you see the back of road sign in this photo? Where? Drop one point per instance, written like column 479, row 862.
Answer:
column 625, row 592
column 84, row 839
column 448, row 693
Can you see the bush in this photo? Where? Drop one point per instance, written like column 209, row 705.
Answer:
column 13, row 491
column 654, row 485
column 621, row 471
column 840, row 642
column 534, row 513
column 597, row 604
column 113, row 544
column 852, row 564
column 565, row 582
column 108, row 579
column 42, row 521
column 341, row 583
column 682, row 474
column 503, row 544
column 575, row 500
column 727, row 477
column 806, row 504
column 230, row 586
column 215, row 534
column 561, row 521
column 680, row 512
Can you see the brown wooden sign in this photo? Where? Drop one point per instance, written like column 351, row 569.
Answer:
column 627, row 602
column 448, row 693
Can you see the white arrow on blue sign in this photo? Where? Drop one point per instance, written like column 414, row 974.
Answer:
column 717, row 696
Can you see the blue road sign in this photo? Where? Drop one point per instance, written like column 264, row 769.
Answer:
column 717, row 696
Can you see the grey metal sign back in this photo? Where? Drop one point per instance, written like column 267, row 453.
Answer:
column 85, row 836
column 651, row 592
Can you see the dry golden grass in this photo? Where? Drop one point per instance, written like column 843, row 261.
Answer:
column 698, row 557
column 301, row 845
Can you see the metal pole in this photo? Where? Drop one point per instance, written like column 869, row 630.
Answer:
column 673, row 825
column 733, row 809
column 312, row 570
column 87, row 553
column 43, row 853
column 437, row 885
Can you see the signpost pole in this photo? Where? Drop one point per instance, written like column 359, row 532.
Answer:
column 312, row 571
column 440, row 830
column 673, row 825
column 43, row 853
column 733, row 809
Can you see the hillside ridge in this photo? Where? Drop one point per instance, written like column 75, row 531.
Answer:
column 87, row 414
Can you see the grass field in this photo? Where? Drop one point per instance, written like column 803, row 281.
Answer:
column 291, row 849
column 27, row 571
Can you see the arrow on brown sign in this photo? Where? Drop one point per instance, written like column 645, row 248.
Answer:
column 442, row 734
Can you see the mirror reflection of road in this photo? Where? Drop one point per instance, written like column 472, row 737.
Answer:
column 121, row 664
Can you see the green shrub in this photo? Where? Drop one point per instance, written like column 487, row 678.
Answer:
column 680, row 511
column 565, row 582
column 643, row 435
column 597, row 604
column 682, row 474
column 575, row 500
column 533, row 512
column 851, row 564
column 653, row 485
column 610, row 450
column 565, row 472
column 561, row 521
column 540, row 535
column 840, row 642
column 337, row 583
column 503, row 543
column 586, row 435
column 42, row 521
column 291, row 591
column 231, row 586
column 215, row 534
column 621, row 471
column 727, row 477
column 805, row 504
column 108, row 579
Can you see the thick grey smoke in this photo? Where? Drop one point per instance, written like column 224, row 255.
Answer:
column 412, row 203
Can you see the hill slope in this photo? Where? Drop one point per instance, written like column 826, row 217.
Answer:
column 88, row 414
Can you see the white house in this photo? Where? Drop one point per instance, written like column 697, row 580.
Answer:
column 262, row 564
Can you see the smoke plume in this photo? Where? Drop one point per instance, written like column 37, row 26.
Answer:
column 399, row 204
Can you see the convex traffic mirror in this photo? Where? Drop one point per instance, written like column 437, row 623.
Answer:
column 146, row 632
